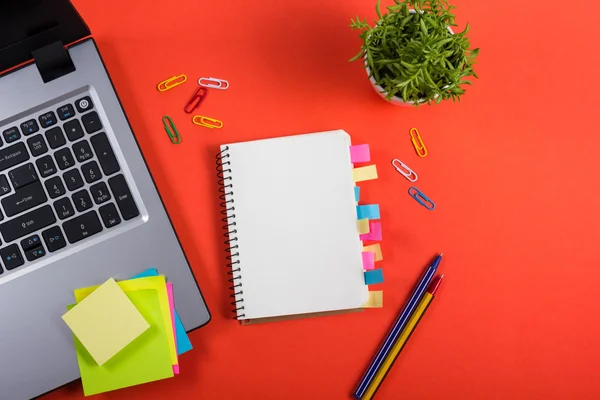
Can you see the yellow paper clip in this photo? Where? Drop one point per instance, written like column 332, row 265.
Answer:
column 418, row 142
column 207, row 122
column 171, row 130
column 171, row 82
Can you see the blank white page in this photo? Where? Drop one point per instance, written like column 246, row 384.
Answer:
column 295, row 217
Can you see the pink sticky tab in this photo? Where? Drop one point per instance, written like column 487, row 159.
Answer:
column 374, row 231
column 368, row 258
column 172, row 307
column 360, row 153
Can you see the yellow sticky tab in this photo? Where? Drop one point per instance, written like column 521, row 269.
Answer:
column 375, row 248
column 107, row 313
column 364, row 173
column 157, row 283
column 375, row 299
column 363, row 226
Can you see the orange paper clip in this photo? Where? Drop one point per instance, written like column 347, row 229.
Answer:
column 171, row 82
column 196, row 99
column 207, row 122
column 418, row 142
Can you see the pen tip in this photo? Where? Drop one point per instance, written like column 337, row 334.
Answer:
column 441, row 254
column 442, row 276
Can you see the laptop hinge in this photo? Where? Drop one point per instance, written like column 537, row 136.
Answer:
column 53, row 61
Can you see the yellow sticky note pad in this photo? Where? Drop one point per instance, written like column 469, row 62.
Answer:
column 375, row 299
column 106, row 314
column 375, row 248
column 364, row 173
column 363, row 226
column 157, row 283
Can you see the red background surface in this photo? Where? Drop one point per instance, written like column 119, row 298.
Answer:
column 512, row 170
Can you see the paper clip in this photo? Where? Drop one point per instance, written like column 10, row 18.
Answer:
column 171, row 82
column 214, row 83
column 195, row 101
column 421, row 198
column 207, row 122
column 171, row 130
column 418, row 142
column 405, row 170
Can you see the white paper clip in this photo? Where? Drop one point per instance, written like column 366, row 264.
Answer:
column 405, row 170
column 214, row 83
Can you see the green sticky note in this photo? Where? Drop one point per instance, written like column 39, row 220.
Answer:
column 144, row 360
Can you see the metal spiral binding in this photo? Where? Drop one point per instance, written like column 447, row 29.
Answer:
column 233, row 262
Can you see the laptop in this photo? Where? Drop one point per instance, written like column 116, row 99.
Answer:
column 78, row 204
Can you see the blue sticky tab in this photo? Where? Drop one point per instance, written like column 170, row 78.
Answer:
column 373, row 276
column 369, row 211
column 183, row 341
column 357, row 193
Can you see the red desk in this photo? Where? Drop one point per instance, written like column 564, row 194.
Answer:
column 513, row 170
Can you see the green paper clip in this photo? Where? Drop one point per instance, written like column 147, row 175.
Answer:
column 171, row 130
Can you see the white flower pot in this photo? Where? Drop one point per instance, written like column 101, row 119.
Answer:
column 398, row 101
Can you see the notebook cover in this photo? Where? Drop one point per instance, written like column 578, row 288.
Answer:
column 292, row 225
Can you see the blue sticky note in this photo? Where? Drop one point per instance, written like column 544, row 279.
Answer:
column 183, row 341
column 357, row 193
column 373, row 276
column 369, row 211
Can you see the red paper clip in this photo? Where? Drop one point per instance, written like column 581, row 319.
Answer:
column 196, row 99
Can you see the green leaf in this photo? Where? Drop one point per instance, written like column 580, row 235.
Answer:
column 378, row 8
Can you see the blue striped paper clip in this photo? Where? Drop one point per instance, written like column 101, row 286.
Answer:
column 421, row 198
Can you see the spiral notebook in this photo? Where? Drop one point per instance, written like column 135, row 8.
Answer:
column 292, row 226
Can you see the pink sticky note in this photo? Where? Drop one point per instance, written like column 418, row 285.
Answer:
column 360, row 153
column 368, row 258
column 374, row 231
column 172, row 306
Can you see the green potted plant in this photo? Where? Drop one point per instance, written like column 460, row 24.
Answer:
column 411, row 54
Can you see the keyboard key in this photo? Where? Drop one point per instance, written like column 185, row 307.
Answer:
column 123, row 196
column 55, row 138
column 48, row 119
column 91, row 122
column 13, row 155
column 46, row 166
column 91, row 171
column 105, row 154
column 73, row 179
column 11, row 134
column 30, row 127
column 37, row 145
column 64, row 158
column 82, row 151
column 11, row 257
column 100, row 192
column 65, row 112
column 81, row 227
column 84, row 104
column 54, row 239
column 73, row 130
column 23, row 175
column 63, row 208
column 24, row 198
column 109, row 215
column 30, row 242
column 4, row 186
column 27, row 223
column 82, row 200
column 55, row 187
column 35, row 253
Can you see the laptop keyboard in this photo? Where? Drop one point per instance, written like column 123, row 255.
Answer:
column 60, row 183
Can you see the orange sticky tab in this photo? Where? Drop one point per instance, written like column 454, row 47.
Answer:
column 375, row 299
column 375, row 248
column 363, row 226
